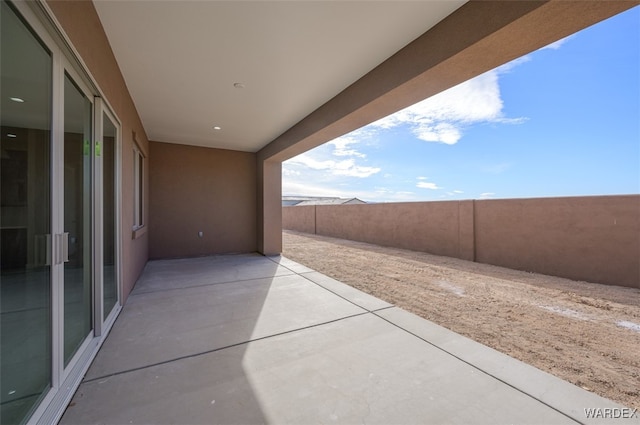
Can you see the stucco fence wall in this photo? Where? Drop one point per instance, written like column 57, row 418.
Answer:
column 595, row 239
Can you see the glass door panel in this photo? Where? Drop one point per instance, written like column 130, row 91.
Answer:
column 25, row 218
column 110, row 288
column 77, row 217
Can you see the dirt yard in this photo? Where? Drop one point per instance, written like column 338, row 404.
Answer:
column 585, row 333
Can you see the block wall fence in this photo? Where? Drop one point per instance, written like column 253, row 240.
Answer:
column 594, row 239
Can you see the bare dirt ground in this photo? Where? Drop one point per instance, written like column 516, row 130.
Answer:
column 585, row 333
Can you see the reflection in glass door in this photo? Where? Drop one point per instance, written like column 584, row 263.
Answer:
column 25, row 218
column 77, row 218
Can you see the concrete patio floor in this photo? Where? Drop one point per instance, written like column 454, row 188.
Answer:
column 249, row 339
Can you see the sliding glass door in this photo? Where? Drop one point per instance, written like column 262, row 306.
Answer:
column 59, row 283
column 25, row 218
column 77, row 190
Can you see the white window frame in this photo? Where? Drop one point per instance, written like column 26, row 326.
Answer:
column 139, row 170
column 103, row 324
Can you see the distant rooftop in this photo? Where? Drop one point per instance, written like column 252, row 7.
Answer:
column 289, row 201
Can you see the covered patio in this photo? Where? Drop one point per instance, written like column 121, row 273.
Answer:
column 139, row 131
column 253, row 339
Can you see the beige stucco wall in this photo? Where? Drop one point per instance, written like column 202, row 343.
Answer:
column 82, row 26
column 596, row 239
column 196, row 189
column 269, row 206
column 585, row 238
column 429, row 227
column 300, row 218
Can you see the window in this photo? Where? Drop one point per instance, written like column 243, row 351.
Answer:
column 138, row 191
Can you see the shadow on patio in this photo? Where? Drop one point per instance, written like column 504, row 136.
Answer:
column 250, row 339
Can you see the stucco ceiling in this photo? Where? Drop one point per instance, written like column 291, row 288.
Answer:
column 181, row 59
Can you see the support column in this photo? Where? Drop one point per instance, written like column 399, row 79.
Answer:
column 269, row 207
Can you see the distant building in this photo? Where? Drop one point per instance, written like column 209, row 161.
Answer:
column 289, row 201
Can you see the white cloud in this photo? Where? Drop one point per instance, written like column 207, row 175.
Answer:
column 342, row 146
column 338, row 157
column 507, row 67
column 557, row 44
column 458, row 191
column 427, row 185
column 486, row 195
column 289, row 172
column 359, row 171
column 346, row 167
column 296, row 188
column 443, row 117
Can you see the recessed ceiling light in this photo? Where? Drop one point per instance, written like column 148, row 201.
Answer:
column 217, row 128
column 238, row 85
column 11, row 135
column 17, row 99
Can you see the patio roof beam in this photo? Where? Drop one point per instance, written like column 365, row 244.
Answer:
column 479, row 36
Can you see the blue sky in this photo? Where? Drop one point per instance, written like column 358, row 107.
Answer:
column 561, row 121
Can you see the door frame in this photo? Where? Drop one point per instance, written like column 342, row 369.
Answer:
column 64, row 381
